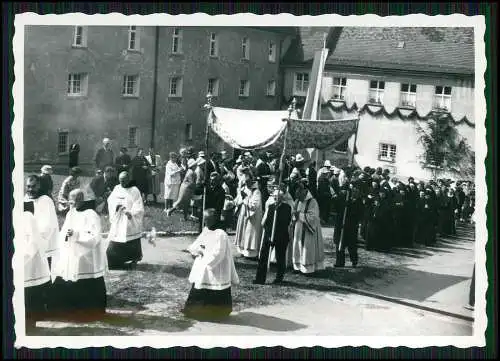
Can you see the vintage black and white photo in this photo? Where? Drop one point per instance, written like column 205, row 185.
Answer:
column 232, row 183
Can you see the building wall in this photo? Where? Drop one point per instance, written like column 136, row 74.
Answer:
column 374, row 130
column 196, row 67
column 104, row 112
column 358, row 84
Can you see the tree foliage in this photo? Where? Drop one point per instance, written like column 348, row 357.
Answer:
column 444, row 148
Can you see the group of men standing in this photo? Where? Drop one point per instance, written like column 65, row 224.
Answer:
column 64, row 268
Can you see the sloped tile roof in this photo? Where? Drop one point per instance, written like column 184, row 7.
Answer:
column 424, row 49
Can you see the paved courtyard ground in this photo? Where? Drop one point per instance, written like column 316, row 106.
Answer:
column 148, row 299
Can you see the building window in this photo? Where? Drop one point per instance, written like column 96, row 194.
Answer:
column 245, row 48
column 130, row 85
column 301, row 84
column 244, row 88
column 188, row 132
column 213, row 86
column 77, row 84
column 132, row 137
column 80, row 37
column 339, row 88
column 271, row 88
column 213, row 45
column 133, row 38
column 62, row 141
column 387, row 152
column 376, row 94
column 177, row 41
column 442, row 98
column 272, row 52
column 175, row 88
column 408, row 95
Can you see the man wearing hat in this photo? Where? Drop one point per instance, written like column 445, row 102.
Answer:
column 298, row 173
column 324, row 195
column 104, row 156
column 46, row 183
column 123, row 161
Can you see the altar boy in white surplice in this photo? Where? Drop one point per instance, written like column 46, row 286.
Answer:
column 36, row 271
column 78, row 271
column 126, row 213
column 212, row 274
column 45, row 217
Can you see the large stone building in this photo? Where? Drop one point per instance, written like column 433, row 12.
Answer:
column 397, row 78
column 86, row 83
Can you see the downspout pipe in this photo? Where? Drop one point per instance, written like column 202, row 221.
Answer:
column 155, row 86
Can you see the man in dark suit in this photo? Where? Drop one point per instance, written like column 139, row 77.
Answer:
column 346, row 235
column 122, row 162
column 281, row 237
column 74, row 151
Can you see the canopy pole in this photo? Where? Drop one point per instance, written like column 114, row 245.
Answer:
column 355, row 138
column 207, row 106
column 348, row 196
column 291, row 109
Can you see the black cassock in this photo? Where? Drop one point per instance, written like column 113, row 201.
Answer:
column 379, row 223
column 263, row 172
column 401, row 236
column 425, row 230
column 354, row 214
column 281, row 240
column 447, row 206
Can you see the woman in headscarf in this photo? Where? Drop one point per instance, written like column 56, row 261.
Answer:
column 173, row 173
column 140, row 169
column 186, row 191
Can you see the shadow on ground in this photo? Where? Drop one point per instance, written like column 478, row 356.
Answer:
column 264, row 322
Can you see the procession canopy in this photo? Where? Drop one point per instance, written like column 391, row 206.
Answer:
column 260, row 129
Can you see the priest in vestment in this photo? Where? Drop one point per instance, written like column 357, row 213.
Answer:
column 78, row 272
column 308, row 248
column 212, row 274
column 249, row 227
column 126, row 213
column 45, row 217
column 36, row 271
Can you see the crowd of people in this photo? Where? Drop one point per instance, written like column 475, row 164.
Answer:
column 277, row 210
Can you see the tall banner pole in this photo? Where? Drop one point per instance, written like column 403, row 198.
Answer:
column 207, row 106
column 291, row 109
